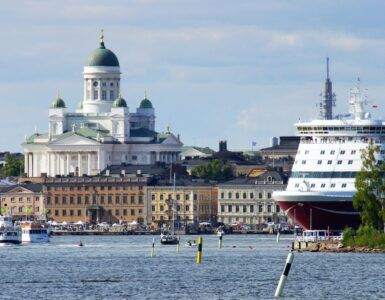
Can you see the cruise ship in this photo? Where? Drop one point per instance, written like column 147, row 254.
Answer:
column 320, row 191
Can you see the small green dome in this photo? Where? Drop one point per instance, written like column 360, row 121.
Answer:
column 145, row 103
column 102, row 57
column 120, row 102
column 58, row 103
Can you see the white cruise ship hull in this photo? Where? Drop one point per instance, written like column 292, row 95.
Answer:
column 319, row 210
column 10, row 236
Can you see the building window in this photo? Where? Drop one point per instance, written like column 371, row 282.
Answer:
column 140, row 200
column 222, row 208
column 251, row 195
column 132, row 199
column 195, row 196
column 269, row 208
column 260, row 208
column 20, row 209
column 124, row 212
column 153, row 197
column 161, row 208
column 161, row 197
column 229, row 195
column 56, row 212
column 244, row 208
column 237, row 195
column 134, row 157
column 153, row 207
column 109, row 199
column 230, row 208
column 79, row 212
column 244, row 195
column 339, row 162
column 260, row 196
column 112, row 96
column 236, row 208
column 268, row 195
column 64, row 212
column 104, row 95
column 71, row 212
column 222, row 195
column 332, row 152
column 322, row 152
column 48, row 200
column 116, row 212
column 277, row 209
column 342, row 152
column 187, row 196
column 251, row 208
column 64, row 200
column 71, row 200
column 329, row 162
column 350, row 162
column 187, row 208
column 96, row 95
column 132, row 212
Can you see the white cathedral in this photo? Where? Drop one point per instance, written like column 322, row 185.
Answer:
column 101, row 132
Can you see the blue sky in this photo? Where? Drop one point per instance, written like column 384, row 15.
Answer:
column 237, row 70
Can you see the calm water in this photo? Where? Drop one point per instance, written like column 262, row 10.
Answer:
column 120, row 267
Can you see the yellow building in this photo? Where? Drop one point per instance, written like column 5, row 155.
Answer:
column 195, row 202
column 23, row 201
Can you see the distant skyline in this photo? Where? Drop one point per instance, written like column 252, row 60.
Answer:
column 214, row 70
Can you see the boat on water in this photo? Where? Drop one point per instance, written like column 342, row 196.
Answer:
column 33, row 232
column 320, row 191
column 169, row 237
column 9, row 233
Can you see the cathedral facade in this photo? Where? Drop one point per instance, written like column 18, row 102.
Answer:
column 101, row 132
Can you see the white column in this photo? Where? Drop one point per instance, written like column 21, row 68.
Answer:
column 48, row 164
column 26, row 163
column 56, row 164
column 30, row 174
column 68, row 164
column 80, row 164
column 89, row 164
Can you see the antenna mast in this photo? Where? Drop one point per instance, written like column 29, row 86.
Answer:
column 328, row 100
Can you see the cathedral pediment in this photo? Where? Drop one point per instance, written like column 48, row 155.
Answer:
column 73, row 139
column 171, row 139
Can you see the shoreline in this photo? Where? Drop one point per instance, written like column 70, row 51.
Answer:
column 332, row 247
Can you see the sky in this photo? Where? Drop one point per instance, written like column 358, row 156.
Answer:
column 239, row 71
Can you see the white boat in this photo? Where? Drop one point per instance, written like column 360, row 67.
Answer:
column 34, row 233
column 320, row 191
column 9, row 233
column 220, row 232
column 166, row 237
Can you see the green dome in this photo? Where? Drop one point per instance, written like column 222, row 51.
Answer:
column 145, row 103
column 120, row 102
column 58, row 103
column 102, row 57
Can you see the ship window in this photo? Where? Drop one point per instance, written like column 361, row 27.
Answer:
column 339, row 162
column 322, row 152
column 350, row 162
column 304, row 162
column 297, row 185
column 329, row 162
column 343, row 185
column 382, row 152
column 312, row 185
column 354, row 152
column 333, row 185
column 323, row 185
column 319, row 162
column 307, row 152
column 332, row 152
column 342, row 152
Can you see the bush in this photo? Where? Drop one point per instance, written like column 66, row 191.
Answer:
column 365, row 236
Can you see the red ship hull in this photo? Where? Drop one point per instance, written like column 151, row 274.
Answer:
column 326, row 215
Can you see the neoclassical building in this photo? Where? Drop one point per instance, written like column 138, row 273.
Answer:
column 102, row 131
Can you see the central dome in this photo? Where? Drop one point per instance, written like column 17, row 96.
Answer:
column 102, row 57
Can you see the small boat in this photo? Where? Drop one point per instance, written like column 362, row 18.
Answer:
column 220, row 232
column 169, row 239
column 9, row 233
column 80, row 244
column 190, row 243
column 33, row 232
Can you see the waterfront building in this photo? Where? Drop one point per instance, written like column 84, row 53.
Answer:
column 23, row 201
column 102, row 131
column 248, row 200
column 96, row 199
column 194, row 202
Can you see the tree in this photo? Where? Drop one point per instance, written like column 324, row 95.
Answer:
column 369, row 199
column 13, row 166
column 214, row 170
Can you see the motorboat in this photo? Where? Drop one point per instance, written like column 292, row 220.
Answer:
column 169, row 239
column 33, row 232
column 9, row 233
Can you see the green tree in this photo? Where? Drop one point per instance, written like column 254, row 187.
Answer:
column 214, row 170
column 369, row 199
column 13, row 166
